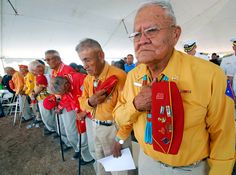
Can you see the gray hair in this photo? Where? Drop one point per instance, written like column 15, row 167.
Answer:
column 57, row 83
column 33, row 65
column 86, row 44
column 52, row 52
column 164, row 4
column 8, row 69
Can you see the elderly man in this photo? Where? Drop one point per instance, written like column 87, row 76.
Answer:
column 29, row 79
column 100, row 102
column 29, row 82
column 40, row 93
column 205, row 133
column 53, row 59
column 17, row 85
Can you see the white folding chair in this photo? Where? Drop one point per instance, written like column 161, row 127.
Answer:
column 10, row 105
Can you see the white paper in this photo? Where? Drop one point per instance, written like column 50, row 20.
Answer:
column 125, row 162
column 137, row 84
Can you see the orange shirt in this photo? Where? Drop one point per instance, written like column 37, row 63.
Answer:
column 209, row 113
column 104, row 110
column 18, row 81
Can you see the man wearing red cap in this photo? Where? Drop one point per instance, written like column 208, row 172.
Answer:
column 29, row 81
column 208, row 132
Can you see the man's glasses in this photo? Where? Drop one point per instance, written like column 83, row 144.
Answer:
column 49, row 59
column 149, row 32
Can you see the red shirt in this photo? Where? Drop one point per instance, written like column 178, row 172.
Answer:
column 70, row 100
column 63, row 70
column 41, row 80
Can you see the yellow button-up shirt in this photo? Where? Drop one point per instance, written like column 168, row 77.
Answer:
column 104, row 110
column 18, row 81
column 209, row 113
column 29, row 83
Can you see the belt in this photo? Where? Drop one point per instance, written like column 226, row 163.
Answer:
column 193, row 165
column 104, row 123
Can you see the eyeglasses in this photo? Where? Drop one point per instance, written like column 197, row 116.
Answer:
column 49, row 59
column 149, row 32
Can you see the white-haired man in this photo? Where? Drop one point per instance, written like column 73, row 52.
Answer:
column 206, row 130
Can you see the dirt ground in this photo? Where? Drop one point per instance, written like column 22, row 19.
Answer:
column 27, row 152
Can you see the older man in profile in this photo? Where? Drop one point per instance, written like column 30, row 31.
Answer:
column 207, row 129
column 105, row 138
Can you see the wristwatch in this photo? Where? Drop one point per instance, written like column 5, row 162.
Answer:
column 120, row 141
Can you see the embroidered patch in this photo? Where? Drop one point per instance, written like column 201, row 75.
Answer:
column 165, row 140
column 160, row 96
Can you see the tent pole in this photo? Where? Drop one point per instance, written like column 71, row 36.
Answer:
column 1, row 34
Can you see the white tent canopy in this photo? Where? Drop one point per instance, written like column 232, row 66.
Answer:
column 61, row 24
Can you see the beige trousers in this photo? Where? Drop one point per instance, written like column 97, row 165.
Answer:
column 104, row 137
column 148, row 166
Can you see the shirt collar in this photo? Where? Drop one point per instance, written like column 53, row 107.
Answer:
column 104, row 72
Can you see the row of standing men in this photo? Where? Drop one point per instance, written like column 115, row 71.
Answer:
column 207, row 138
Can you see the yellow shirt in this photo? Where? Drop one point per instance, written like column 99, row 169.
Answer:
column 18, row 81
column 103, row 111
column 29, row 83
column 209, row 113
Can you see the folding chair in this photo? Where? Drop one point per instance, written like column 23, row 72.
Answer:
column 10, row 104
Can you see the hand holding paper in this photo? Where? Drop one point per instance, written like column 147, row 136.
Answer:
column 123, row 163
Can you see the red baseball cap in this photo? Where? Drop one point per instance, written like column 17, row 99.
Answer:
column 50, row 102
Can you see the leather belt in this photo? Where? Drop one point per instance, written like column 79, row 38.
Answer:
column 193, row 165
column 103, row 123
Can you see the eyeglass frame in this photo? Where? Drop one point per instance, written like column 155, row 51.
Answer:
column 136, row 36
column 49, row 59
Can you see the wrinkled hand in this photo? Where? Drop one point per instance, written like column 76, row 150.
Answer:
column 81, row 115
column 116, row 149
column 97, row 98
column 143, row 101
column 58, row 111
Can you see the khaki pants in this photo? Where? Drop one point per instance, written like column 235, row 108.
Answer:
column 148, row 166
column 24, row 107
column 104, row 137
column 89, row 132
